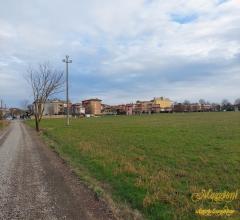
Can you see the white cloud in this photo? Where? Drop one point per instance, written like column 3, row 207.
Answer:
column 133, row 43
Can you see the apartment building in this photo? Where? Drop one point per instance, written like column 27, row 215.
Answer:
column 55, row 107
column 143, row 107
column 194, row 107
column 92, row 106
column 165, row 103
column 77, row 109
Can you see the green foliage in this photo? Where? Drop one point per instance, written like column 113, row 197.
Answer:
column 3, row 124
column 155, row 162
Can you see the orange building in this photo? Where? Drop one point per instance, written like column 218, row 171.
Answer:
column 92, row 106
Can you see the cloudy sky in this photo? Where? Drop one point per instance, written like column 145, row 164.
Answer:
column 125, row 50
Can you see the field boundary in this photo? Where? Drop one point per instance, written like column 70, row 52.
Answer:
column 4, row 130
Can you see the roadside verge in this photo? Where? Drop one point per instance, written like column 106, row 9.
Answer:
column 102, row 191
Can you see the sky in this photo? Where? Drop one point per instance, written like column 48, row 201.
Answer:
column 124, row 51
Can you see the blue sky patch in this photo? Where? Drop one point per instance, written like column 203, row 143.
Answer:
column 219, row 2
column 184, row 19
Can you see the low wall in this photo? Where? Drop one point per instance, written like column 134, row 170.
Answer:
column 52, row 116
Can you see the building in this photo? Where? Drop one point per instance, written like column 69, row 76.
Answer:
column 206, row 107
column 120, row 109
column 143, row 107
column 52, row 107
column 165, row 103
column 108, row 110
column 55, row 107
column 181, row 107
column 77, row 109
column 92, row 106
column 216, row 107
column 15, row 112
column 156, row 108
column 3, row 112
column 140, row 107
column 195, row 107
column 129, row 109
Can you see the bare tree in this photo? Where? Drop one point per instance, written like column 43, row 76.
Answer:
column 45, row 81
column 186, row 102
column 225, row 102
column 237, row 101
column 202, row 101
column 226, row 105
column 24, row 104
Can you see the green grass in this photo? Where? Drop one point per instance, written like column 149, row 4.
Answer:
column 154, row 163
column 3, row 124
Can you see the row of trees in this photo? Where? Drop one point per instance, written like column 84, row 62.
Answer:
column 225, row 102
column 225, row 105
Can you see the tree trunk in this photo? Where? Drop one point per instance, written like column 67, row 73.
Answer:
column 36, row 123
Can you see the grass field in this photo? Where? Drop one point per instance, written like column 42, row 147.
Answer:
column 3, row 124
column 155, row 162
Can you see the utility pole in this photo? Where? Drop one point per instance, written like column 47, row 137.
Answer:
column 67, row 61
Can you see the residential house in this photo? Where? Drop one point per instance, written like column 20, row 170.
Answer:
column 129, row 109
column 92, row 106
column 108, row 110
column 165, row 104
column 180, row 107
column 55, row 107
column 143, row 107
column 77, row 109
column 120, row 109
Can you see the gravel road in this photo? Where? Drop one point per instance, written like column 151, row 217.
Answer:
column 36, row 184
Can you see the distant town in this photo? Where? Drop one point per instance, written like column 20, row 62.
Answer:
column 95, row 107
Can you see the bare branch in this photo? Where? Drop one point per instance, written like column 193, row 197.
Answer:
column 45, row 81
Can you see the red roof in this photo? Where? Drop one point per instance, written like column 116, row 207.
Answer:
column 96, row 99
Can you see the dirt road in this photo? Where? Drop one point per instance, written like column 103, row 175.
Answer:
column 36, row 184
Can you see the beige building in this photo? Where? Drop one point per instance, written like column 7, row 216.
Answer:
column 92, row 106
column 54, row 107
column 165, row 103
column 77, row 109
